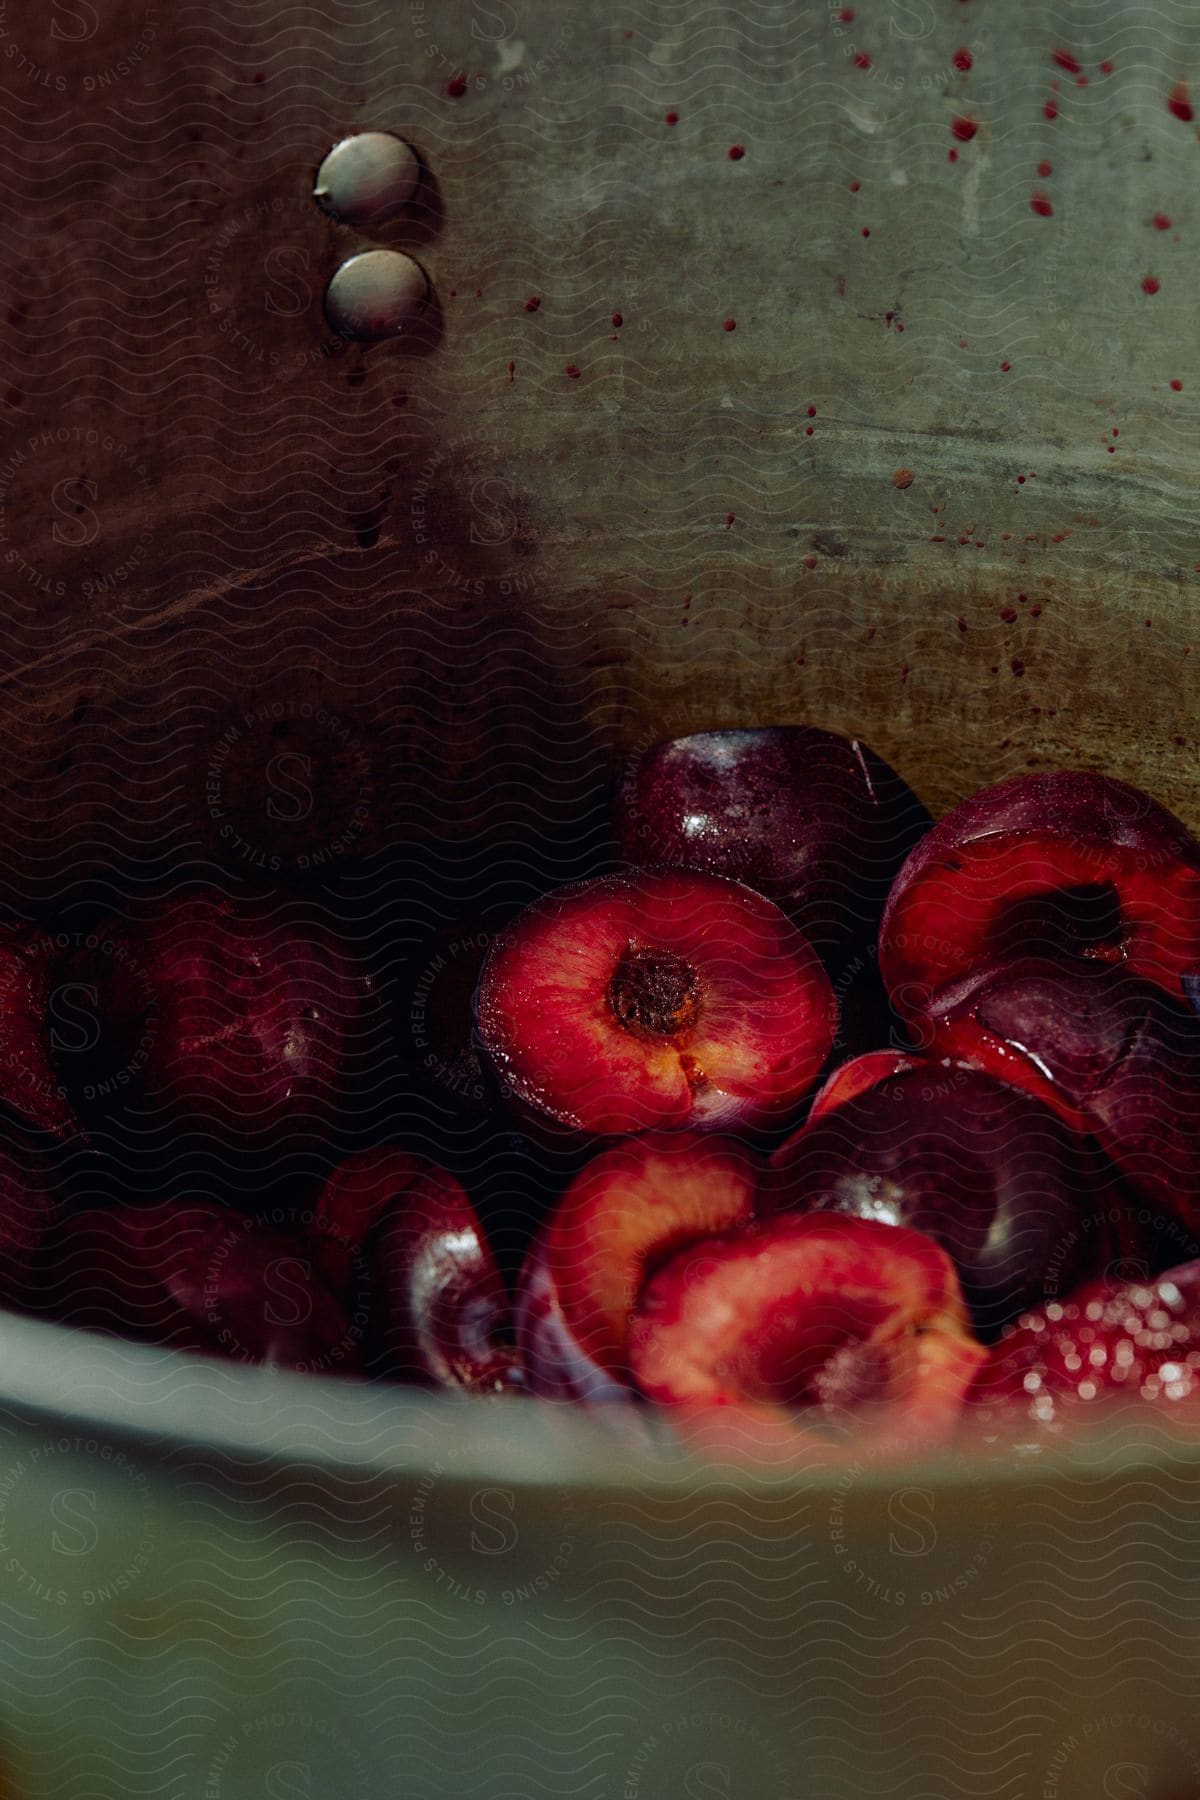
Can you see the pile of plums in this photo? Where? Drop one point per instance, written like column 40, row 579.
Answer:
column 887, row 1129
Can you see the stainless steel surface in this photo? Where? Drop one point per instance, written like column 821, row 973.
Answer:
column 467, row 574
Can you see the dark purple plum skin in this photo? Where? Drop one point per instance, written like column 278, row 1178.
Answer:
column 192, row 1275
column 816, row 822
column 441, row 1311
column 1120, row 1049
column 992, row 1175
column 236, row 1018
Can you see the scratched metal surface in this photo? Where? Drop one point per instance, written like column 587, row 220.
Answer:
column 459, row 580
column 671, row 538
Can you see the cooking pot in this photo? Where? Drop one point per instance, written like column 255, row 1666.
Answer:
column 784, row 363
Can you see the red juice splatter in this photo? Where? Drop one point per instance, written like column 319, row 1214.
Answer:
column 1179, row 103
column 964, row 129
column 1017, row 666
column 1177, row 387
column 573, row 370
column 1081, row 81
column 511, row 370
column 1066, row 60
column 672, row 118
column 1041, row 206
column 1106, row 67
column 1045, row 170
column 617, row 319
column 1150, row 284
column 533, row 302
column 811, row 411
column 861, row 60
column 1005, row 367
column 846, row 16
column 456, row 87
column 962, row 59
column 1161, row 222
column 962, row 623
column 866, row 231
column 729, row 519
column 1008, row 614
column 731, row 325
column 736, row 152
column 808, row 431
column 952, row 156
column 1051, row 108
column 854, row 186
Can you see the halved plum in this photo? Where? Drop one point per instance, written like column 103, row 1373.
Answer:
column 1060, row 1364
column 817, row 822
column 661, row 999
column 636, row 1203
column 851, row 1325
column 1067, row 863
column 1109, row 1049
column 993, row 1176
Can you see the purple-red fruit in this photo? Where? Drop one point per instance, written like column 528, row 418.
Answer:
column 657, row 999
column 1113, row 1050
column 995, row 1177
column 237, row 1018
column 815, row 821
column 1064, row 864
column 440, row 1310
column 630, row 1208
column 809, row 1321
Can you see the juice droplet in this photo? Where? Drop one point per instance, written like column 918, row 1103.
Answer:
column 1041, row 206
column 367, row 177
column 377, row 295
column 1065, row 59
column 962, row 60
column 736, row 152
column 533, row 302
column 1150, row 284
column 573, row 371
column 618, row 320
column 456, row 87
column 1177, row 387
column 1179, row 103
column 672, row 118
column 1045, row 170
column 861, row 60
column 1161, row 222
column 964, row 129
column 1050, row 110
column 731, row 324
